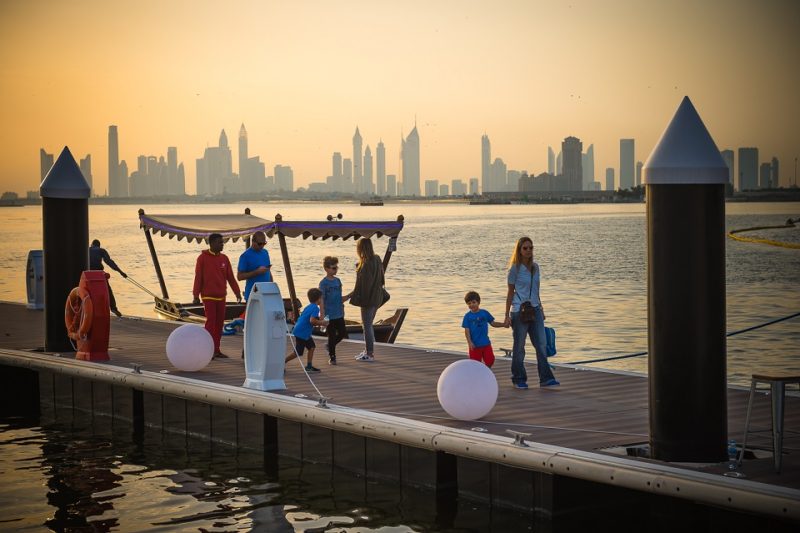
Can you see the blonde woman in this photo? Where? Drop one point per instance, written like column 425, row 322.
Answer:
column 524, row 277
column 368, row 293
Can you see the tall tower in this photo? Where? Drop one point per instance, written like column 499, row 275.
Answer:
column 626, row 163
column 45, row 163
column 727, row 156
column 748, row 169
column 775, row 173
column 357, row 161
column 244, row 175
column 117, row 187
column 588, row 168
column 86, row 169
column 486, row 164
column 336, row 171
column 366, row 186
column 551, row 161
column 223, row 140
column 173, row 187
column 380, row 154
column 411, row 164
column 572, row 150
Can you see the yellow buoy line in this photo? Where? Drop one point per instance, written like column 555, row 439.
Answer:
column 734, row 234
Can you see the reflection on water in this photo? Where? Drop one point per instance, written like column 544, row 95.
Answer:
column 592, row 258
column 81, row 478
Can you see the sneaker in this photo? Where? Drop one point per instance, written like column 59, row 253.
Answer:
column 365, row 357
column 550, row 383
column 220, row 355
column 362, row 354
column 332, row 361
column 520, row 386
column 310, row 368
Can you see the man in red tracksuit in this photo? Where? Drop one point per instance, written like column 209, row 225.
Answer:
column 212, row 271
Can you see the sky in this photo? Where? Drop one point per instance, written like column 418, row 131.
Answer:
column 301, row 75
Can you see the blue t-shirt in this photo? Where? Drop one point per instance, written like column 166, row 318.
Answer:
column 303, row 327
column 251, row 260
column 478, row 326
column 332, row 296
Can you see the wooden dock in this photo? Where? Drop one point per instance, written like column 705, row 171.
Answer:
column 594, row 414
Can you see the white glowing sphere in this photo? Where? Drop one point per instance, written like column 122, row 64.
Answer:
column 467, row 389
column 190, row 348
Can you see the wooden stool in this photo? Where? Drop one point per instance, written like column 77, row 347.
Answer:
column 778, row 388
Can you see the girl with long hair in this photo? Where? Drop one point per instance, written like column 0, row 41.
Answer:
column 368, row 294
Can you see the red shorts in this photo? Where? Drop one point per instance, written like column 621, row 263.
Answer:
column 483, row 353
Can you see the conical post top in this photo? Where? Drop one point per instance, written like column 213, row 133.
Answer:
column 65, row 179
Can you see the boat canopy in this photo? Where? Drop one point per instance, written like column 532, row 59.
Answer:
column 233, row 227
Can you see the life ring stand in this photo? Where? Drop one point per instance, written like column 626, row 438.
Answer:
column 78, row 313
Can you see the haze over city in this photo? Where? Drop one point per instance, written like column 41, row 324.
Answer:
column 303, row 75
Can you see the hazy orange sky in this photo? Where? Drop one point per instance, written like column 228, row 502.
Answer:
column 302, row 74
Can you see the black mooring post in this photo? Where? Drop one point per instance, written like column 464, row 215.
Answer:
column 65, row 241
column 685, row 178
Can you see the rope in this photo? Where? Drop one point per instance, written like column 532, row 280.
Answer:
column 300, row 361
column 638, row 354
column 789, row 224
column 139, row 285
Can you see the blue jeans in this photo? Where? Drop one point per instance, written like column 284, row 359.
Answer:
column 367, row 318
column 534, row 330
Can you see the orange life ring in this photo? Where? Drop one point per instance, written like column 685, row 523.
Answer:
column 78, row 313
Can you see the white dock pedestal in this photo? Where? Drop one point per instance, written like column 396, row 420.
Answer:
column 264, row 338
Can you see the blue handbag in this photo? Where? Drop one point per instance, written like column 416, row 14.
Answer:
column 550, row 340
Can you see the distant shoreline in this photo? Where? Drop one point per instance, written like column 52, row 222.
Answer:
column 561, row 197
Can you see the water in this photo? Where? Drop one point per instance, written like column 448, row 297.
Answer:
column 593, row 261
column 80, row 477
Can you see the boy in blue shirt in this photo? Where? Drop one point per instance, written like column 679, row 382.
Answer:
column 302, row 330
column 333, row 305
column 476, row 329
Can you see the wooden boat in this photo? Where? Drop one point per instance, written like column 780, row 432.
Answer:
column 234, row 227
column 372, row 203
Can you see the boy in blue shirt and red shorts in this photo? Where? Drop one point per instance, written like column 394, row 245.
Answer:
column 303, row 327
column 476, row 329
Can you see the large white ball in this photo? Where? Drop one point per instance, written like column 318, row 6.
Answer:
column 467, row 390
column 190, row 348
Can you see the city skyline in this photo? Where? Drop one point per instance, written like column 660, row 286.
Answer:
column 467, row 69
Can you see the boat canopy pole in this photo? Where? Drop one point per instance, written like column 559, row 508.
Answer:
column 391, row 247
column 288, row 268
column 155, row 259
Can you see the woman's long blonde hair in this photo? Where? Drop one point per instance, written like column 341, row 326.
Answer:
column 516, row 256
column 364, row 251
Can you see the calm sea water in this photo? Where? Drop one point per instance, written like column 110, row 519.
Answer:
column 593, row 261
column 78, row 477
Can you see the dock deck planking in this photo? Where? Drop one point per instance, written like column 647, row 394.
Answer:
column 592, row 409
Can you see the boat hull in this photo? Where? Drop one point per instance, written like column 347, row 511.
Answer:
column 386, row 330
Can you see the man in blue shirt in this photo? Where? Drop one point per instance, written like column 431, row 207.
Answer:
column 97, row 256
column 254, row 264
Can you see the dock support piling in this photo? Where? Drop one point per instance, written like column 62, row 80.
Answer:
column 685, row 178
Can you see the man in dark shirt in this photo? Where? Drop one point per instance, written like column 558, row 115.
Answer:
column 97, row 256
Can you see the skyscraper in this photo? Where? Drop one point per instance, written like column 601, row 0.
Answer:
column 336, row 171
column 357, row 162
column 776, row 179
column 559, row 164
column 173, row 186
column 284, row 178
column 748, row 169
column 626, row 165
column 215, row 168
column 727, row 156
column 45, row 163
column 347, row 175
column 609, row 179
column 366, row 186
column 499, row 175
column 639, row 167
column 486, row 162
column 244, row 176
column 588, row 168
column 86, row 170
column 551, row 161
column 117, row 185
column 410, row 157
column 572, row 148
column 765, row 176
column 380, row 182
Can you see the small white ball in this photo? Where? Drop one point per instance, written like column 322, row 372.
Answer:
column 467, row 389
column 190, row 348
